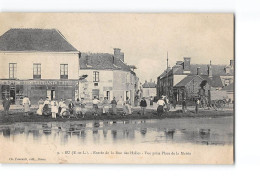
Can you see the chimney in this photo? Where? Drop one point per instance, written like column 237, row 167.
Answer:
column 117, row 55
column 198, row 71
column 186, row 65
column 151, row 80
column 232, row 63
column 210, row 70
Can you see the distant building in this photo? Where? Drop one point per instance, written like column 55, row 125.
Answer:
column 107, row 75
column 184, row 78
column 149, row 89
column 37, row 63
column 230, row 91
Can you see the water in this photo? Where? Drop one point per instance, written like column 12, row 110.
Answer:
column 199, row 131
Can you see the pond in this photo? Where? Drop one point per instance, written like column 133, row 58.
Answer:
column 199, row 131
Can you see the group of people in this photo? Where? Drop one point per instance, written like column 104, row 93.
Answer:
column 54, row 107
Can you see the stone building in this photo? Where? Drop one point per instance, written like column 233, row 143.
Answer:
column 37, row 63
column 184, row 78
column 107, row 75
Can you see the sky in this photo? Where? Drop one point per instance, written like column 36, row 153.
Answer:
column 144, row 38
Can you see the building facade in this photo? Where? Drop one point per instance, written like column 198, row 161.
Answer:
column 149, row 89
column 183, row 79
column 107, row 75
column 37, row 63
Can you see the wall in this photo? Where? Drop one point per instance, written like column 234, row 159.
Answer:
column 50, row 64
column 87, row 85
column 124, row 82
column 148, row 92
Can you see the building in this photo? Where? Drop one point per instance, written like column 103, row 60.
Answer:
column 107, row 75
column 149, row 89
column 37, row 63
column 184, row 78
column 230, row 91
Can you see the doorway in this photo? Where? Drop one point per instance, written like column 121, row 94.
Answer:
column 51, row 94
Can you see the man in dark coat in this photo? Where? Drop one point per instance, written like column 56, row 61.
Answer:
column 6, row 105
column 143, row 105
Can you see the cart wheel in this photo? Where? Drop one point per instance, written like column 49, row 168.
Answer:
column 66, row 114
column 221, row 104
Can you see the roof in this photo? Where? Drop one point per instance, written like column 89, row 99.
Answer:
column 149, row 85
column 215, row 81
column 28, row 39
column 185, row 81
column 217, row 70
column 229, row 87
column 101, row 61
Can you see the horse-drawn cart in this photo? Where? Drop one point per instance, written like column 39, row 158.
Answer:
column 219, row 99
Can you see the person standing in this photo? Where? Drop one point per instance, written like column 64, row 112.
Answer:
column 95, row 105
column 105, row 105
column 184, row 106
column 197, row 106
column 160, row 104
column 26, row 105
column 6, row 105
column 60, row 104
column 114, row 103
column 151, row 101
column 71, row 107
column 54, row 109
column 40, row 106
column 128, row 105
column 143, row 105
column 78, row 107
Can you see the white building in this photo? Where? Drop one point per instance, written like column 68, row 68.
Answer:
column 37, row 63
column 107, row 75
column 149, row 89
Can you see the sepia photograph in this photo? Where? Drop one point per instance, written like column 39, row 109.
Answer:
column 117, row 88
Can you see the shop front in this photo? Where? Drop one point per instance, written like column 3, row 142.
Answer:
column 36, row 89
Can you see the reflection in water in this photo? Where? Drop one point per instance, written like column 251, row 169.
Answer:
column 200, row 131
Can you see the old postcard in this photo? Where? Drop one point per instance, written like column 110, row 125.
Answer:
column 125, row 88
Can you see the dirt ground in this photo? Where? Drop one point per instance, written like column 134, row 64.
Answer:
column 18, row 116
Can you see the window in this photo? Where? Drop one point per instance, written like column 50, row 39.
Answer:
column 63, row 71
column 12, row 70
column 36, row 71
column 95, row 84
column 95, row 76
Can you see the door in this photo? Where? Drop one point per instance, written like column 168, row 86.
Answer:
column 95, row 93
column 12, row 95
column 52, row 94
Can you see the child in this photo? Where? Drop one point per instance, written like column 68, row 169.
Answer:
column 54, row 109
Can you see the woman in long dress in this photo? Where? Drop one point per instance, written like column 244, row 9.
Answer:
column 161, row 104
column 114, row 103
column 45, row 110
column 40, row 105
column 26, row 105
column 128, row 106
column 105, row 105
